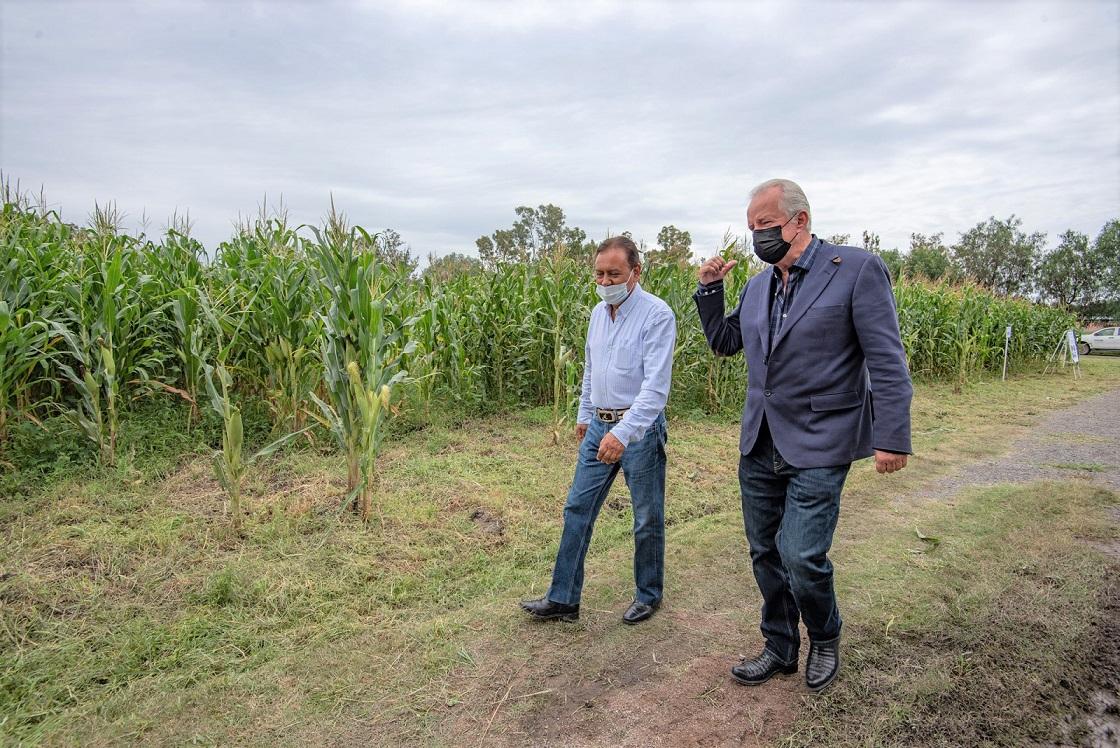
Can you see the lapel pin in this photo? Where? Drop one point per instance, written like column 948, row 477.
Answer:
column 836, row 260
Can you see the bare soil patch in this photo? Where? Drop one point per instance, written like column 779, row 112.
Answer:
column 672, row 689
column 1099, row 725
column 196, row 492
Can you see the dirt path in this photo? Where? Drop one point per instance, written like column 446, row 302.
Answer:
column 673, row 690
column 688, row 700
column 685, row 698
column 1081, row 442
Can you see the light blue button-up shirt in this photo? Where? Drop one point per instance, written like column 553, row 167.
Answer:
column 629, row 362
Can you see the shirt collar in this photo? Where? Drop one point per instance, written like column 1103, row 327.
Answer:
column 628, row 304
column 805, row 261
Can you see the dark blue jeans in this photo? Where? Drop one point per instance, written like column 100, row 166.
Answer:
column 790, row 515
column 643, row 465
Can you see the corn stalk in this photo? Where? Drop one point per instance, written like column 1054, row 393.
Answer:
column 229, row 465
column 229, row 468
column 23, row 349
column 361, row 351
column 558, row 305
column 98, row 392
column 190, row 346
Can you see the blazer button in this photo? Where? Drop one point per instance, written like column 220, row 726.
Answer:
column 767, row 393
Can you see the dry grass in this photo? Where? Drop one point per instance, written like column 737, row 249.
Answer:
column 130, row 613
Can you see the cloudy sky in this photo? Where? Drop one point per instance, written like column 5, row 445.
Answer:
column 437, row 118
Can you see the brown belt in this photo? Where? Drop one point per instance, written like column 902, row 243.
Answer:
column 608, row 415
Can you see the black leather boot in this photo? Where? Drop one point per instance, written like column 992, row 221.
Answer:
column 823, row 664
column 546, row 610
column 761, row 669
column 639, row 611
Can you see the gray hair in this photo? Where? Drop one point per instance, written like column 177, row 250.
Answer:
column 792, row 201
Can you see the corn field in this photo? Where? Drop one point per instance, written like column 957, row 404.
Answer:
column 312, row 324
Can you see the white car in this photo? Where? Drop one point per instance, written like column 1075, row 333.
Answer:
column 1105, row 339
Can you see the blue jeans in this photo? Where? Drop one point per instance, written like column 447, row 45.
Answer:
column 643, row 465
column 790, row 515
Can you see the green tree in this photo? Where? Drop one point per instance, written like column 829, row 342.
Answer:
column 1105, row 260
column 928, row 258
column 1066, row 276
column 894, row 261
column 838, row 238
column 892, row 258
column 871, row 242
column 537, row 233
column 487, row 251
column 391, row 250
column 674, row 247
column 578, row 246
column 999, row 255
column 451, row 265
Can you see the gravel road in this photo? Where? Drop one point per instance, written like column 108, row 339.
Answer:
column 1081, row 442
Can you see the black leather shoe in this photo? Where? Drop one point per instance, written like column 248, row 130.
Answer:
column 546, row 610
column 638, row 612
column 761, row 669
column 823, row 664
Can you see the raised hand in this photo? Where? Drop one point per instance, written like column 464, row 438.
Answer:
column 714, row 269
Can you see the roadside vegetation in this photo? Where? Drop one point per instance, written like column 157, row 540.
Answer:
column 288, row 491
column 131, row 613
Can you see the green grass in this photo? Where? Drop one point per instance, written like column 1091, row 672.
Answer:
column 948, row 644
column 131, row 613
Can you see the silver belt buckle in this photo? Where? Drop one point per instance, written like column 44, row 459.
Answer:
column 607, row 415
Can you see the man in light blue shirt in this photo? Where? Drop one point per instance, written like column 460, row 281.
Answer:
column 621, row 424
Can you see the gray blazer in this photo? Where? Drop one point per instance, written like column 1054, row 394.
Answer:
column 835, row 385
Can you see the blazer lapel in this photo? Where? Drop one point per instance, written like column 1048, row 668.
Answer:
column 764, row 310
column 819, row 275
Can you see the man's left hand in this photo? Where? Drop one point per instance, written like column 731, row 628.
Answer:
column 610, row 449
column 888, row 462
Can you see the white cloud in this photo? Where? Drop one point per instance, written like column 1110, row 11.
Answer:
column 437, row 119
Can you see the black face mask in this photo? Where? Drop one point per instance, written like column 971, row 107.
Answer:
column 769, row 245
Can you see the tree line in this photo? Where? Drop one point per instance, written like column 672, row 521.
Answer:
column 1080, row 273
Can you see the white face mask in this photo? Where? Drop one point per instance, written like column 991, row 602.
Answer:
column 616, row 294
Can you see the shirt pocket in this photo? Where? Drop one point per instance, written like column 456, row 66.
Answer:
column 626, row 358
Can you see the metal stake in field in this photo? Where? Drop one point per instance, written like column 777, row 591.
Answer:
column 1006, row 345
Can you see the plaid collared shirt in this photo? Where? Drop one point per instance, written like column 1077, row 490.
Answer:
column 781, row 299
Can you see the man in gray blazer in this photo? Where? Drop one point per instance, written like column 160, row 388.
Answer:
column 827, row 383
